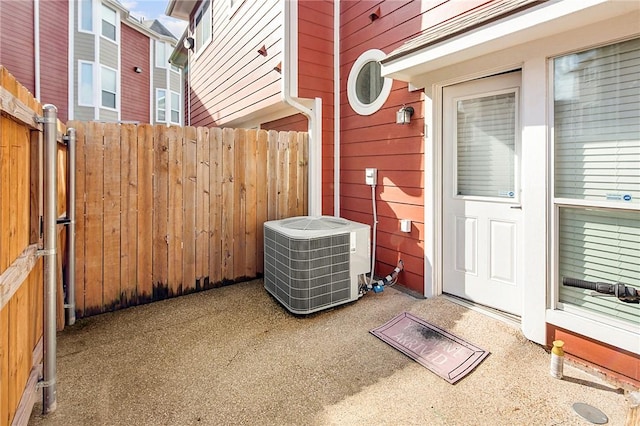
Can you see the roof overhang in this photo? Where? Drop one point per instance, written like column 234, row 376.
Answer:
column 538, row 21
column 180, row 9
column 180, row 55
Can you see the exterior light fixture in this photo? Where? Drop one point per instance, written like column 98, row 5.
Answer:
column 188, row 43
column 137, row 69
column 403, row 116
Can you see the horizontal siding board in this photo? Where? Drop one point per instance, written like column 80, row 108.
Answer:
column 84, row 47
column 135, row 87
column 108, row 53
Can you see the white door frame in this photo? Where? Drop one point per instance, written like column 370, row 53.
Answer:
column 533, row 323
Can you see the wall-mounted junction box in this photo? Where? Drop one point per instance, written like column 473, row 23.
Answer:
column 371, row 176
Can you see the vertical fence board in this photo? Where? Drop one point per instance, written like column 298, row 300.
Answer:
column 112, row 206
column 94, row 186
column 262, row 150
column 283, row 175
column 128, row 220
column 250, row 234
column 303, row 176
column 215, row 205
column 80, row 172
column 202, row 208
column 5, row 410
column 189, row 202
column 161, row 205
column 228, row 190
column 5, row 184
column 23, row 187
column 292, row 178
column 272, row 186
column 175, row 219
column 239, row 205
column 14, row 153
column 144, row 250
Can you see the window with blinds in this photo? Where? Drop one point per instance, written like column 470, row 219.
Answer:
column 485, row 138
column 597, row 162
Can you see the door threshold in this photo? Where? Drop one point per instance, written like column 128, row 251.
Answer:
column 507, row 318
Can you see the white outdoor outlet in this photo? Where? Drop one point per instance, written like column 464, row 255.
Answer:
column 371, row 176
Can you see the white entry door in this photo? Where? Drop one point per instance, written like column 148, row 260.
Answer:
column 481, row 216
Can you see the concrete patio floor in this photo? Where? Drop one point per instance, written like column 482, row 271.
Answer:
column 233, row 355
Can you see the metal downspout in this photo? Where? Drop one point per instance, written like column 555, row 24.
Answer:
column 313, row 114
column 48, row 383
column 70, row 273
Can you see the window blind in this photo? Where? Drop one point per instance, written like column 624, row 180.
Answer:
column 600, row 246
column 485, row 138
column 597, row 124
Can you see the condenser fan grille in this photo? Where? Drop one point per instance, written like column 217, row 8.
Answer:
column 307, row 274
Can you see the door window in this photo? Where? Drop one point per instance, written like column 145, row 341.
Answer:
column 485, row 139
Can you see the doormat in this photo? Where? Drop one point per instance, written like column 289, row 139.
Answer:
column 446, row 355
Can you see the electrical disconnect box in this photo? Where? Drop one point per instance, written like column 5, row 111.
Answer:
column 371, row 176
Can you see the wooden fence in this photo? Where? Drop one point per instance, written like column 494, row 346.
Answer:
column 164, row 211
column 21, row 269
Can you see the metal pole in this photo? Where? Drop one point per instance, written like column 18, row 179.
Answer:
column 50, row 128
column 70, row 275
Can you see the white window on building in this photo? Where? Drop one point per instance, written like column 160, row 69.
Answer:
column 85, row 15
column 367, row 90
column 202, row 26
column 109, row 19
column 596, row 114
column 162, row 54
column 108, row 87
column 175, row 108
column 85, row 83
column 161, row 105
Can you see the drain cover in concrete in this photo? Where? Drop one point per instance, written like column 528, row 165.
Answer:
column 590, row 413
column 447, row 355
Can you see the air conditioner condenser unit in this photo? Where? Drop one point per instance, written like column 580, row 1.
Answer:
column 313, row 263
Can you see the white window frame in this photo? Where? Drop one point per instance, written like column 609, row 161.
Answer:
column 115, row 24
column 80, row 11
column 165, row 106
column 359, row 107
column 116, row 107
column 172, row 108
column 597, row 326
column 161, row 45
column 205, row 43
column 93, row 84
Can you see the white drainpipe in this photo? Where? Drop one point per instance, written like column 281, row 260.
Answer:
column 336, row 107
column 312, row 109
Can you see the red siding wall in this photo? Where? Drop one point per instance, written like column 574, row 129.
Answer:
column 16, row 41
column 397, row 151
column 135, row 87
column 54, row 55
column 296, row 123
column 622, row 365
column 315, row 79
